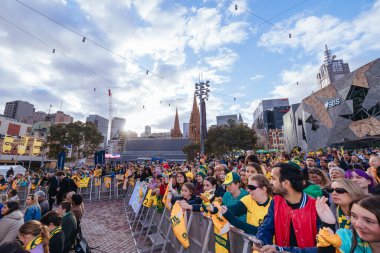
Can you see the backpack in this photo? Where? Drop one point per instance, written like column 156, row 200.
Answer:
column 81, row 244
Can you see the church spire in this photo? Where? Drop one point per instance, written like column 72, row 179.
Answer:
column 194, row 124
column 176, row 131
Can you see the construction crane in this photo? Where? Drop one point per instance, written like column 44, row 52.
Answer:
column 110, row 107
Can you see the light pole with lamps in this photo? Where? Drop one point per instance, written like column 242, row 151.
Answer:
column 202, row 92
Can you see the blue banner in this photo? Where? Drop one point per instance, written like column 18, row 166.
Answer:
column 61, row 160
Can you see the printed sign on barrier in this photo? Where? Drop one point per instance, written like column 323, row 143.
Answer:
column 138, row 196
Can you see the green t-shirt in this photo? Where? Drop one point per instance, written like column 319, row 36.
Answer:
column 229, row 200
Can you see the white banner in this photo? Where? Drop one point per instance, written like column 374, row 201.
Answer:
column 138, row 196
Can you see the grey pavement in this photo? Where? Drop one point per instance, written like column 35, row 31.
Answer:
column 105, row 227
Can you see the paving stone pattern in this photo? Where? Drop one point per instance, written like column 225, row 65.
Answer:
column 104, row 224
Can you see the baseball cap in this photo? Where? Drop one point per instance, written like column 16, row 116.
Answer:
column 231, row 177
column 190, row 175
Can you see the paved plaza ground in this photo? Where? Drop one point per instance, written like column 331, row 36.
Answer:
column 104, row 225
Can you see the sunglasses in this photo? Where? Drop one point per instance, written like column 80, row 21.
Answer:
column 337, row 190
column 252, row 187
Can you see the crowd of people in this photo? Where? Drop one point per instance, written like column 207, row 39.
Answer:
column 294, row 202
column 47, row 223
column 315, row 202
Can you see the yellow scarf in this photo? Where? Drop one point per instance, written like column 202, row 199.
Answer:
column 34, row 243
column 55, row 231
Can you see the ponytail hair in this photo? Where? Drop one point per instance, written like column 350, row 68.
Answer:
column 35, row 228
column 45, row 234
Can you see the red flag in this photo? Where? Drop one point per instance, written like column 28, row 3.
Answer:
column 109, row 92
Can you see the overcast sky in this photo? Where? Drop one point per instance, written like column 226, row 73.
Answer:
column 242, row 56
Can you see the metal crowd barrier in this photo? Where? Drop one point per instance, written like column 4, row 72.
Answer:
column 89, row 193
column 152, row 232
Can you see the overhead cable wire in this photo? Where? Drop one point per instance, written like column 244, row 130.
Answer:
column 54, row 49
column 85, row 38
column 261, row 18
column 284, row 11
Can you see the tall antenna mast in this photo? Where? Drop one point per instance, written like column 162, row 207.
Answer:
column 60, row 108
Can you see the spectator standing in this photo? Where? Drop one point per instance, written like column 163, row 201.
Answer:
column 69, row 224
column 77, row 207
column 292, row 216
column 362, row 179
column 66, row 185
column 33, row 210
column 43, row 202
column 11, row 221
column 57, row 238
column 53, row 189
column 336, row 172
column 343, row 193
column 34, row 236
column 3, row 200
column 234, row 193
column 13, row 195
column 255, row 205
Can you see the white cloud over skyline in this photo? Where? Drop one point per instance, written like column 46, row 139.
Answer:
column 177, row 41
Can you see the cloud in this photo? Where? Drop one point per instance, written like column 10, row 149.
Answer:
column 348, row 38
column 160, row 37
column 311, row 33
column 257, row 77
column 297, row 83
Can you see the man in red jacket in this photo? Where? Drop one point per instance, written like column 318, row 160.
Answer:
column 292, row 216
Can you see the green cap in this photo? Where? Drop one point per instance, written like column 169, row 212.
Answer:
column 231, row 177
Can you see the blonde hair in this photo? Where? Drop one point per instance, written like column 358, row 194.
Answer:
column 35, row 228
column 34, row 198
column 352, row 188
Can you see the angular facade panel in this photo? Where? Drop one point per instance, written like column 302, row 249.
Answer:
column 346, row 111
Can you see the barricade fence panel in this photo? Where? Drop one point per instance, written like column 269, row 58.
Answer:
column 200, row 232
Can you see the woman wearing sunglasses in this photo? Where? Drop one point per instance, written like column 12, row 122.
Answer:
column 343, row 193
column 255, row 205
column 364, row 236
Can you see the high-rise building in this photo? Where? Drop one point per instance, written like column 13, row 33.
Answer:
column 60, row 117
column 185, row 127
column 224, row 119
column 331, row 70
column 268, row 114
column 36, row 117
column 194, row 124
column 18, row 110
column 101, row 124
column 176, row 130
column 117, row 125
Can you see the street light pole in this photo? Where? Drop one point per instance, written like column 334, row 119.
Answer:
column 202, row 92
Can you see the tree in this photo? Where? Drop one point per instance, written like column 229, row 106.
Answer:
column 191, row 150
column 225, row 139
column 84, row 139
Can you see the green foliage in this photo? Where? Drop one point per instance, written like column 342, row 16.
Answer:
column 191, row 150
column 225, row 139
column 84, row 138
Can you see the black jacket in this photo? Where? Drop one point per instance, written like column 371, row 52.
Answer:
column 53, row 185
column 56, row 243
column 66, row 185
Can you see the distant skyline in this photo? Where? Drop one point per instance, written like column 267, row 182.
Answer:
column 160, row 48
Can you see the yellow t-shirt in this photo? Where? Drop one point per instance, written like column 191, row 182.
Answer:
column 255, row 212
